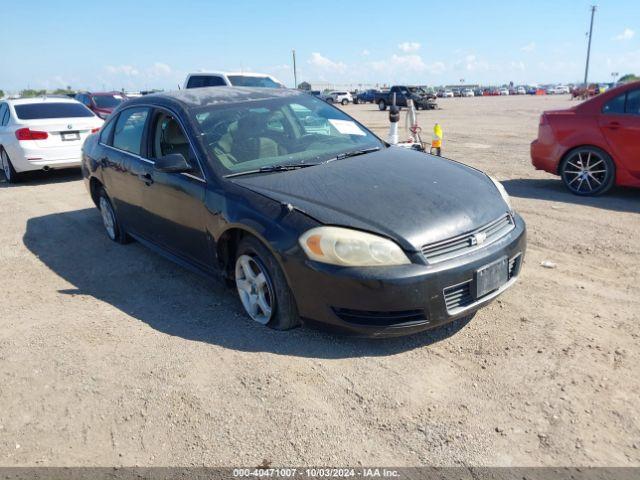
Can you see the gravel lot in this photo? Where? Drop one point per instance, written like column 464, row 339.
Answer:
column 111, row 355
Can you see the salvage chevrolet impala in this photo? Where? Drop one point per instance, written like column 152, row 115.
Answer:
column 307, row 213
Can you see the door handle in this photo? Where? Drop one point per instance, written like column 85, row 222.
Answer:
column 613, row 125
column 146, row 178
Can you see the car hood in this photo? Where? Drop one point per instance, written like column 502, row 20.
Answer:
column 402, row 194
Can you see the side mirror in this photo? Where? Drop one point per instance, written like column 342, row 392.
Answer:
column 172, row 163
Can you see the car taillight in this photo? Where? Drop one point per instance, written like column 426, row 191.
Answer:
column 28, row 134
column 95, row 130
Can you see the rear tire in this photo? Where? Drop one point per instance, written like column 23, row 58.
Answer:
column 329, row 100
column 110, row 221
column 382, row 105
column 10, row 174
column 588, row 171
column 263, row 288
column 344, row 102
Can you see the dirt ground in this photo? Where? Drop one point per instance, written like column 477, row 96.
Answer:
column 111, row 355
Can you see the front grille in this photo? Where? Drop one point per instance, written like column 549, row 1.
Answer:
column 380, row 319
column 458, row 296
column 453, row 247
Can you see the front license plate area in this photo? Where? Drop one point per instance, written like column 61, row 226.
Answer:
column 70, row 136
column 491, row 277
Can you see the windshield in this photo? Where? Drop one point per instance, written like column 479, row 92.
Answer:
column 107, row 101
column 249, row 81
column 296, row 130
column 36, row 111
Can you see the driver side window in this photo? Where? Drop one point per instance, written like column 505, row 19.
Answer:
column 169, row 137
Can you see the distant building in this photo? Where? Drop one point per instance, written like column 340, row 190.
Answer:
column 304, row 86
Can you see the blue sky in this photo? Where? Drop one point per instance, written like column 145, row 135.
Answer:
column 153, row 44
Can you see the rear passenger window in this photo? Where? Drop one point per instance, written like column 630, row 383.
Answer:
column 129, row 128
column 633, row 102
column 3, row 113
column 614, row 106
column 198, row 81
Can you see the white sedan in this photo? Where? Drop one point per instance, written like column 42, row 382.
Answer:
column 43, row 133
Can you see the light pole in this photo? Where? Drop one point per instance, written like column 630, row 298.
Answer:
column 614, row 75
column 586, row 68
column 295, row 72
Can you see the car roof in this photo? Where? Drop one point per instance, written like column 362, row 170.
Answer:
column 202, row 97
column 44, row 99
column 244, row 74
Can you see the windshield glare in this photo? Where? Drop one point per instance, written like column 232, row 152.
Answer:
column 107, row 101
column 249, row 81
column 279, row 131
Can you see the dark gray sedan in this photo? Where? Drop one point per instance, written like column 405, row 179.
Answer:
column 307, row 213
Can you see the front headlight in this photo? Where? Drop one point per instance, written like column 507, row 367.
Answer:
column 351, row 248
column 503, row 192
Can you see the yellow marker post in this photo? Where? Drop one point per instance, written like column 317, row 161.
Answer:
column 436, row 141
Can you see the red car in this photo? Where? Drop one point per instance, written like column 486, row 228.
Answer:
column 595, row 145
column 101, row 103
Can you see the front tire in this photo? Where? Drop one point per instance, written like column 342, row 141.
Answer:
column 382, row 105
column 110, row 219
column 262, row 287
column 344, row 102
column 588, row 171
column 10, row 174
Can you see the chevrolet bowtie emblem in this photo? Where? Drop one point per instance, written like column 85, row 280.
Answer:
column 477, row 238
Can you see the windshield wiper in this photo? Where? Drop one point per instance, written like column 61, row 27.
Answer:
column 273, row 168
column 354, row 153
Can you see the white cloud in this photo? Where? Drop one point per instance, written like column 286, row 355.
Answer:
column 409, row 47
column 472, row 64
column 366, row 52
column 520, row 66
column 126, row 70
column 159, row 70
column 529, row 47
column 326, row 64
column 626, row 34
column 407, row 63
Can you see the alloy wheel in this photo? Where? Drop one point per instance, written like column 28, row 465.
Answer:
column 6, row 167
column 585, row 172
column 254, row 288
column 108, row 217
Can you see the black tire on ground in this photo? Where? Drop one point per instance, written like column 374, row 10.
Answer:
column 382, row 105
column 356, row 101
column 10, row 174
column 344, row 101
column 587, row 171
column 330, row 100
column 114, row 230
column 284, row 314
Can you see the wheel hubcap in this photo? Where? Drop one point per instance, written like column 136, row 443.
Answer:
column 108, row 219
column 585, row 172
column 254, row 289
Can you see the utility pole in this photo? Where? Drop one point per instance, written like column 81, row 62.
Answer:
column 295, row 72
column 586, row 68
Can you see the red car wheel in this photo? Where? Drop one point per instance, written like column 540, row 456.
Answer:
column 588, row 171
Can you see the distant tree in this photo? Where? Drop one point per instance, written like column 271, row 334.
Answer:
column 629, row 77
column 63, row 91
column 1, row 93
column 29, row 92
